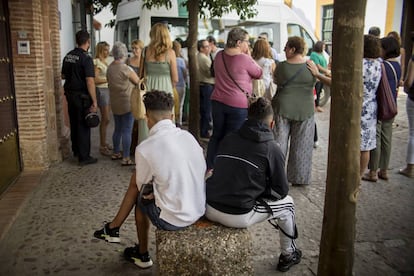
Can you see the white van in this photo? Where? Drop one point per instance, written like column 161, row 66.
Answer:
column 133, row 21
column 273, row 17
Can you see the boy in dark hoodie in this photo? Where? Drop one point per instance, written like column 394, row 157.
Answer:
column 249, row 183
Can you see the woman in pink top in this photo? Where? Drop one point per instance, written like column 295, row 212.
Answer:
column 234, row 70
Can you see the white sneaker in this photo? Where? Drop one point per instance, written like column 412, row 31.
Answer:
column 316, row 144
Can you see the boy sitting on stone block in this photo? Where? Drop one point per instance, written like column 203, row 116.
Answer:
column 170, row 160
column 249, row 184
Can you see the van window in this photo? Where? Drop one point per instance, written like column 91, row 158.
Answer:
column 219, row 28
column 126, row 31
column 297, row 30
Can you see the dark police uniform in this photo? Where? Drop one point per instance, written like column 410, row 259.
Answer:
column 77, row 66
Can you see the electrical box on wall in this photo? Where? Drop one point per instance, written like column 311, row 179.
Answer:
column 23, row 47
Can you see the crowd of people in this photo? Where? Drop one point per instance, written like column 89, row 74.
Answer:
column 244, row 178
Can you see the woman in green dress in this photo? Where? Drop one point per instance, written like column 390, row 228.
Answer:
column 159, row 66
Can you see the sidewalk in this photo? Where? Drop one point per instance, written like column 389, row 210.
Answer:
column 53, row 232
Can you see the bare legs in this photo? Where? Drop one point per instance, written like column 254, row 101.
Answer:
column 127, row 203
column 141, row 220
column 103, row 125
column 142, row 224
column 364, row 160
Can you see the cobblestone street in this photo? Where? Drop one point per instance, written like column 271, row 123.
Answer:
column 53, row 231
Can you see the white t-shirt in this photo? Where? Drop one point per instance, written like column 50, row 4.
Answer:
column 175, row 161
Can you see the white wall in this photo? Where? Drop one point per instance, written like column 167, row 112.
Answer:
column 67, row 39
column 375, row 15
column 106, row 33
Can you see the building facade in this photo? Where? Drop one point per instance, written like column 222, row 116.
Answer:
column 31, row 95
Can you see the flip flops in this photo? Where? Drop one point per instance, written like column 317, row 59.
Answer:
column 116, row 156
column 127, row 162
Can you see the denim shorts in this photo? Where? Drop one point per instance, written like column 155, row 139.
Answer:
column 153, row 213
column 102, row 96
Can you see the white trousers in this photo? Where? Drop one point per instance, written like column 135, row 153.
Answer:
column 410, row 115
column 283, row 213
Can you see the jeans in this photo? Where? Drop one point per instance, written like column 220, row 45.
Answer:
column 123, row 130
column 205, row 108
column 225, row 119
column 153, row 213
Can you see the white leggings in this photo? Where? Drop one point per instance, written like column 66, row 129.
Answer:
column 283, row 213
column 410, row 146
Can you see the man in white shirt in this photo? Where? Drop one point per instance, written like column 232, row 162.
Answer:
column 170, row 162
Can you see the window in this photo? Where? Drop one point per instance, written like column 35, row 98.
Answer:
column 297, row 30
column 327, row 25
column 126, row 31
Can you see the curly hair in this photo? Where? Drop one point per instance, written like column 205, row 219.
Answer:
column 260, row 110
column 160, row 39
column 372, row 46
column 298, row 43
column 156, row 100
column 261, row 48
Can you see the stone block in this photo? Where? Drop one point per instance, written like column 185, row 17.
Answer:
column 205, row 248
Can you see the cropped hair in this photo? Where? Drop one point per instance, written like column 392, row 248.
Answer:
column 211, row 39
column 375, row 31
column 156, row 100
column 390, row 47
column 395, row 35
column 298, row 43
column 260, row 110
column 82, row 37
column 160, row 39
column 100, row 48
column 372, row 46
column 200, row 44
column 119, row 50
column 177, row 48
column 261, row 48
column 235, row 35
column 318, row 47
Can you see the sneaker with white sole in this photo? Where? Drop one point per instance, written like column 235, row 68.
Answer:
column 141, row 260
column 286, row 261
column 108, row 234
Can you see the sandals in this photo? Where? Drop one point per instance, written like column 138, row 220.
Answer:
column 406, row 172
column 383, row 175
column 116, row 156
column 105, row 150
column 370, row 177
column 127, row 162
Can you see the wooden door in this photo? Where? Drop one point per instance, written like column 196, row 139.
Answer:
column 9, row 147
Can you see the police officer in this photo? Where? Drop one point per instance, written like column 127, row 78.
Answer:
column 78, row 73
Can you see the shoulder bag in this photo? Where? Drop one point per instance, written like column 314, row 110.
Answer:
column 137, row 105
column 387, row 107
column 250, row 98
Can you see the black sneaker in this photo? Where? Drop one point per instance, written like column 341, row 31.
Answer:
column 141, row 260
column 87, row 161
column 110, row 235
column 286, row 261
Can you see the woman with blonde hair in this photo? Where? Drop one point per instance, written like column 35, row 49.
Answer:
column 101, row 65
column 158, row 66
column 262, row 54
column 134, row 61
